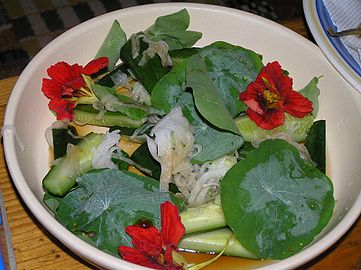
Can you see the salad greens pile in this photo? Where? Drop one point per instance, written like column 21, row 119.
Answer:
column 240, row 189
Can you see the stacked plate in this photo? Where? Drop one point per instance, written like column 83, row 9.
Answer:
column 321, row 15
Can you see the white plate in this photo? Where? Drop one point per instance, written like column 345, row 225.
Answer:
column 27, row 115
column 319, row 21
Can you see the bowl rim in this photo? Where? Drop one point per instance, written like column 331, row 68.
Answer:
column 87, row 251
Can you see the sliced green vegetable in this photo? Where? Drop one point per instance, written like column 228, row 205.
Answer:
column 112, row 44
column 274, row 202
column 231, row 68
column 86, row 114
column 61, row 177
column 297, row 128
column 113, row 103
column 172, row 29
column 316, row 144
column 104, row 203
column 215, row 241
column 312, row 92
column 203, row 218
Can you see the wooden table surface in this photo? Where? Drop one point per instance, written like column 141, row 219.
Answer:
column 35, row 248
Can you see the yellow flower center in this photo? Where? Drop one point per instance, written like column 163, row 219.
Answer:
column 271, row 99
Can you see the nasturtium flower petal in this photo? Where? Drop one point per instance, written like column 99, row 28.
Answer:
column 172, row 227
column 154, row 248
column 95, row 65
column 297, row 105
column 135, row 256
column 267, row 120
column 51, row 88
column 65, row 85
column 63, row 72
column 62, row 107
column 270, row 95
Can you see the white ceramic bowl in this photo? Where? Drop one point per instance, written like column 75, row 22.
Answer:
column 27, row 114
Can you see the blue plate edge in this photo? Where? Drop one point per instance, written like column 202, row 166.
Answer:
column 325, row 21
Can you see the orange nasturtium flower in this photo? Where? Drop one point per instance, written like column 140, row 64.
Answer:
column 66, row 85
column 153, row 248
column 271, row 95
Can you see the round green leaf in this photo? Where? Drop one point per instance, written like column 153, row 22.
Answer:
column 104, row 203
column 274, row 202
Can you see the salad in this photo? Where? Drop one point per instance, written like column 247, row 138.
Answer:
column 204, row 149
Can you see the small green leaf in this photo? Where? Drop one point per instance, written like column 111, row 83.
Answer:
column 172, row 29
column 148, row 74
column 312, row 92
column 207, row 99
column 166, row 93
column 112, row 44
column 275, row 202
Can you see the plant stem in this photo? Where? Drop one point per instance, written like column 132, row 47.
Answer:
column 352, row 31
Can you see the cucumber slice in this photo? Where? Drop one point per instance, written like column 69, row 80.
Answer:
column 216, row 241
column 293, row 126
column 86, row 114
column 61, row 177
column 206, row 217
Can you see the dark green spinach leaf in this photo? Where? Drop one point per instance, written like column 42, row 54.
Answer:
column 316, row 144
column 148, row 74
column 143, row 157
column 61, row 138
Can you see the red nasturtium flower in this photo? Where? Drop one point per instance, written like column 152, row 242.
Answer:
column 154, row 248
column 66, row 85
column 271, row 95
